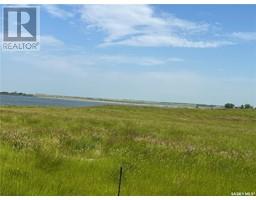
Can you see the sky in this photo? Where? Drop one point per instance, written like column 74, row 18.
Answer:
column 174, row 53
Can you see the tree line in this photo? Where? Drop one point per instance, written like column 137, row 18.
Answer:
column 243, row 106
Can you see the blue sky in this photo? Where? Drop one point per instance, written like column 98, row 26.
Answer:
column 176, row 53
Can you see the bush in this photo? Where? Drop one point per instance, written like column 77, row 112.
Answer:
column 247, row 106
column 229, row 105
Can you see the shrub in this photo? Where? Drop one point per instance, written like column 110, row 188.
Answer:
column 229, row 105
column 247, row 106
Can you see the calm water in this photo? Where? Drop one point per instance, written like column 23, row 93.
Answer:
column 36, row 101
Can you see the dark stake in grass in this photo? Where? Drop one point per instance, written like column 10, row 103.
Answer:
column 120, row 180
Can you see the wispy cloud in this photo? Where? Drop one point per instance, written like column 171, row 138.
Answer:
column 247, row 36
column 69, row 56
column 49, row 40
column 168, row 41
column 58, row 12
column 135, row 60
column 138, row 25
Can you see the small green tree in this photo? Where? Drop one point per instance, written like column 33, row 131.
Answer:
column 247, row 106
column 242, row 106
column 229, row 105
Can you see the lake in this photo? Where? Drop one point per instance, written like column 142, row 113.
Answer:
column 37, row 101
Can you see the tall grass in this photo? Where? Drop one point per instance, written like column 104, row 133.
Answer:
column 78, row 151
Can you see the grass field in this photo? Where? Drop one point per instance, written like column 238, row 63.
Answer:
column 78, row 151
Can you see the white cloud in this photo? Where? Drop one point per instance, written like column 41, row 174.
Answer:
column 71, row 58
column 120, row 21
column 49, row 40
column 58, row 12
column 248, row 36
column 135, row 60
column 138, row 25
column 192, row 27
column 171, row 41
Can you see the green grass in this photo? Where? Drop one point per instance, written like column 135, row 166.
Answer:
column 78, row 151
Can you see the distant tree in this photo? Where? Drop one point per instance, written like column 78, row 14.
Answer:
column 229, row 105
column 242, row 106
column 247, row 106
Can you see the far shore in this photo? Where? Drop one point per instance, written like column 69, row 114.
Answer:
column 130, row 102
column 117, row 101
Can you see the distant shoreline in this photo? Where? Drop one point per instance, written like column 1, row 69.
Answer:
column 16, row 94
column 116, row 101
column 129, row 102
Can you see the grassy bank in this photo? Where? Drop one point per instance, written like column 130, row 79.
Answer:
column 78, row 151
